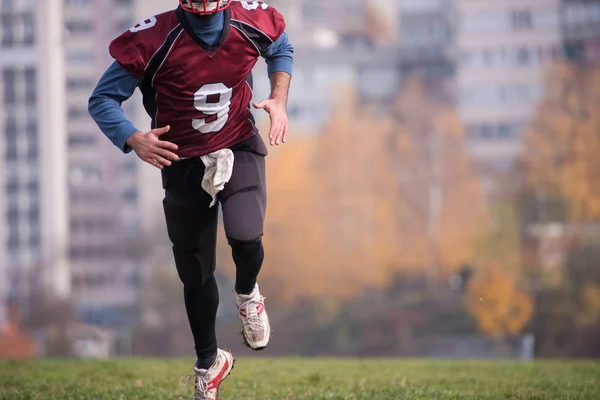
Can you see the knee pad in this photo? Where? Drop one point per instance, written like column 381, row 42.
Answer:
column 193, row 269
column 250, row 252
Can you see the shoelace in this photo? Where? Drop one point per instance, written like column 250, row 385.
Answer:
column 251, row 307
column 186, row 379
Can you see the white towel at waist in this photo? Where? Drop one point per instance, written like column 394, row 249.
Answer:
column 217, row 172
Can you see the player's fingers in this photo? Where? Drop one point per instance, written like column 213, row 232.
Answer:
column 161, row 131
column 153, row 162
column 276, row 135
column 285, row 132
column 277, row 131
column 166, row 154
column 161, row 160
column 167, row 145
column 272, row 133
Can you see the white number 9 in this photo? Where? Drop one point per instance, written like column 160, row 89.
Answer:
column 212, row 100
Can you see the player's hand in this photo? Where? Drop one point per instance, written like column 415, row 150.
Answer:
column 279, row 119
column 151, row 149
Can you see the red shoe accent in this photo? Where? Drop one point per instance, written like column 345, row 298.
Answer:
column 214, row 384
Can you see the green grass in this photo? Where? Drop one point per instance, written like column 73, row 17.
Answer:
column 304, row 379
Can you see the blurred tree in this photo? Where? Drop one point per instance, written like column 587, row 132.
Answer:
column 14, row 343
column 437, row 182
column 500, row 241
column 494, row 299
column 368, row 197
column 563, row 142
column 560, row 168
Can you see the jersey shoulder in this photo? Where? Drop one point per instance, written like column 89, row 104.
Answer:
column 258, row 17
column 134, row 48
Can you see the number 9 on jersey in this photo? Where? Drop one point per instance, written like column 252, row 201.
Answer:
column 212, row 100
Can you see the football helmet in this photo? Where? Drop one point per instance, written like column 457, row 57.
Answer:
column 204, row 6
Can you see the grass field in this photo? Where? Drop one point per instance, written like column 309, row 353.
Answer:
column 296, row 379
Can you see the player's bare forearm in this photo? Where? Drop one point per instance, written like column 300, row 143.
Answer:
column 280, row 86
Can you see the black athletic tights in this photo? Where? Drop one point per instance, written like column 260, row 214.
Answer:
column 201, row 302
column 192, row 227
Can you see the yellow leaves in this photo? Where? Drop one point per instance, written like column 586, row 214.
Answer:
column 563, row 142
column 349, row 207
column 497, row 304
column 441, row 192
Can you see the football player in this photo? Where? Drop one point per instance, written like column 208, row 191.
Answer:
column 193, row 67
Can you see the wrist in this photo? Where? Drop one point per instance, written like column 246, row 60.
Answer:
column 279, row 97
column 134, row 139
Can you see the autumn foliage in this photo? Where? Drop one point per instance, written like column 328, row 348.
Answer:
column 351, row 206
column 563, row 142
column 14, row 343
column 500, row 308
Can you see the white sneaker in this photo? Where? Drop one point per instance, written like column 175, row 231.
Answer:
column 256, row 329
column 208, row 380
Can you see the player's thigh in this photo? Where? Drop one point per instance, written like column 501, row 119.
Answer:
column 244, row 199
column 192, row 229
column 190, row 221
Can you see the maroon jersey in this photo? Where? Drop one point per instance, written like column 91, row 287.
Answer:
column 201, row 91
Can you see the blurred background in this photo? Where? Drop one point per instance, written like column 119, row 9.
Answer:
column 438, row 195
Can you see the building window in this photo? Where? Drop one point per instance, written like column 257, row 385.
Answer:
column 129, row 165
column 13, row 235
column 33, row 189
column 523, row 56
column 30, row 87
column 11, row 138
column 77, row 112
column 81, row 140
column 12, row 216
column 10, row 93
column 32, row 151
column 80, row 27
column 130, row 195
column 494, row 131
column 521, row 20
column 34, row 216
column 31, row 130
column 80, row 56
column 79, row 83
column 6, row 4
column 7, row 30
column 28, row 29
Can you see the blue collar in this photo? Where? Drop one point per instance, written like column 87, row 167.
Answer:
column 205, row 23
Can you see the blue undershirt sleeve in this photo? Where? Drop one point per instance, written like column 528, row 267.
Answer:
column 279, row 56
column 114, row 87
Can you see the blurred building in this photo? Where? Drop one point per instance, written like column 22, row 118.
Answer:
column 504, row 48
column 337, row 44
column 114, row 198
column 72, row 212
column 309, row 23
column 427, row 41
column 33, row 221
column 580, row 22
